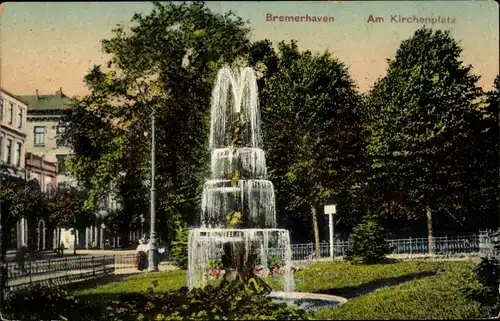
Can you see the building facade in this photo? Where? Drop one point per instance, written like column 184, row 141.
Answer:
column 41, row 170
column 13, row 124
column 44, row 124
column 44, row 173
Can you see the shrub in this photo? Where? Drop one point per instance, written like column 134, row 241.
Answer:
column 214, row 264
column 43, row 303
column 274, row 262
column 225, row 301
column 179, row 253
column 487, row 277
column 367, row 243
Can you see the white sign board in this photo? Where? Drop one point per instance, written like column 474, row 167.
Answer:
column 330, row 209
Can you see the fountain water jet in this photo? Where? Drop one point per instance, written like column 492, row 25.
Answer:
column 238, row 221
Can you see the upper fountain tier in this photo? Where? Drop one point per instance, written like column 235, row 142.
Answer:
column 235, row 116
column 249, row 162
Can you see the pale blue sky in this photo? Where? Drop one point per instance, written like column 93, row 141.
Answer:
column 47, row 45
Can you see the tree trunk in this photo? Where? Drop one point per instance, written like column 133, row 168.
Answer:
column 430, row 232
column 316, row 231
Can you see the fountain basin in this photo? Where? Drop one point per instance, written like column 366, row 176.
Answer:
column 310, row 302
column 249, row 248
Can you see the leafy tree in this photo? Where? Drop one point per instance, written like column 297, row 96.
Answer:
column 367, row 243
column 18, row 199
column 120, row 223
column 68, row 210
column 180, row 247
column 165, row 63
column 312, row 132
column 421, row 116
column 483, row 157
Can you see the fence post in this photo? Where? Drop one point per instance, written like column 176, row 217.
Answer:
column 411, row 249
column 446, row 245
column 93, row 265
column 29, row 271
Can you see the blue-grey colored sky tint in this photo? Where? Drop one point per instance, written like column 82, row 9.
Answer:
column 47, row 45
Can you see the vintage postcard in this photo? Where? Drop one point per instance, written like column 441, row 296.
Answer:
column 341, row 157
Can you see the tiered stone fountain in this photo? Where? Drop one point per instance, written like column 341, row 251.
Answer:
column 238, row 221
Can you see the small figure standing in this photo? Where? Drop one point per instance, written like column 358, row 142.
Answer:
column 61, row 249
column 140, row 259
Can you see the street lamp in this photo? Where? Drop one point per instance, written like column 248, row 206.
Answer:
column 330, row 210
column 152, row 238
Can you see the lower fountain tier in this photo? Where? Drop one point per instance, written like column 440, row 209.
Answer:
column 246, row 249
column 254, row 199
column 251, row 162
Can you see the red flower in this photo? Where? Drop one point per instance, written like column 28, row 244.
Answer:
column 257, row 271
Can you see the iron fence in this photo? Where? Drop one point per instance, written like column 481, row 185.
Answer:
column 56, row 271
column 445, row 246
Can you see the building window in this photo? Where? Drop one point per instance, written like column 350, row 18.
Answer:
column 39, row 135
column 8, row 152
column 59, row 131
column 19, row 117
column 61, row 163
column 1, row 108
column 19, row 147
column 11, row 113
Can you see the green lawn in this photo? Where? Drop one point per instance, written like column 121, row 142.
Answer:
column 403, row 290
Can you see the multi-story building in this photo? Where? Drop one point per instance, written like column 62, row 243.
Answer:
column 13, row 111
column 45, row 174
column 45, row 122
column 41, row 170
column 12, row 132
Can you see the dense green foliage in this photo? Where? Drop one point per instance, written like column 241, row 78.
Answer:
column 367, row 243
column 317, row 145
column 179, row 253
column 42, row 303
column 225, row 301
column 425, row 125
column 165, row 63
column 487, row 275
column 62, row 207
column 67, row 207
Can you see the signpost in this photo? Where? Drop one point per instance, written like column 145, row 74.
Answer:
column 330, row 210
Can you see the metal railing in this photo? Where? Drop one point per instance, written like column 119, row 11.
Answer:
column 445, row 246
column 56, row 271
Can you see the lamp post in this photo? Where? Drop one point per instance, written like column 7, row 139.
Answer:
column 152, row 237
column 330, row 210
